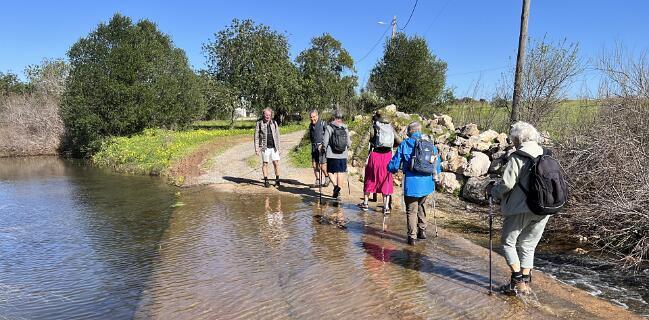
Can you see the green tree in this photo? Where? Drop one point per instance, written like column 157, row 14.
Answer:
column 254, row 61
column 220, row 99
column 126, row 77
column 10, row 83
column 325, row 70
column 409, row 75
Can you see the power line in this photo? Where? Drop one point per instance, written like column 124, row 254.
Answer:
column 411, row 13
column 476, row 71
column 437, row 16
column 374, row 46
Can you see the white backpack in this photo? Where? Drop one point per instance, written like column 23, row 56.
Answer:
column 384, row 135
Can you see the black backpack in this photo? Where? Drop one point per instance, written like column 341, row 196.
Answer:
column 338, row 140
column 547, row 191
column 423, row 158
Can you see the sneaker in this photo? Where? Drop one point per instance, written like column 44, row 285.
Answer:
column 411, row 241
column 277, row 183
column 336, row 194
column 266, row 183
column 421, row 234
column 316, row 184
column 517, row 286
column 386, row 210
column 326, row 182
column 363, row 206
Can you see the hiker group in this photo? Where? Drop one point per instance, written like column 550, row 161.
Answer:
column 532, row 187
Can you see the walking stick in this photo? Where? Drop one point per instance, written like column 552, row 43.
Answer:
column 320, row 184
column 434, row 217
column 490, row 241
column 348, row 189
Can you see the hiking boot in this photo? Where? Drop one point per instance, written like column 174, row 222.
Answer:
column 316, row 184
column 517, row 286
column 277, row 183
column 336, row 194
column 266, row 183
column 363, row 206
column 421, row 234
column 326, row 182
column 411, row 241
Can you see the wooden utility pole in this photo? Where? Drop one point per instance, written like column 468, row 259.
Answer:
column 522, row 41
column 394, row 27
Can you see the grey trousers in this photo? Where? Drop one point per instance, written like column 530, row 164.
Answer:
column 520, row 236
column 415, row 214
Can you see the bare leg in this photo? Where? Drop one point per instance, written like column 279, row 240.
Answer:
column 264, row 169
column 276, row 165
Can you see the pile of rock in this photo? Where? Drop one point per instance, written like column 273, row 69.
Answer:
column 470, row 158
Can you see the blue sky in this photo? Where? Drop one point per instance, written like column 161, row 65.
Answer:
column 476, row 38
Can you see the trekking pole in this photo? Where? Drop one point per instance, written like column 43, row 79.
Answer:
column 490, row 241
column 434, row 217
column 348, row 189
column 320, row 185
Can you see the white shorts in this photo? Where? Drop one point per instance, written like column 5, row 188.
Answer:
column 270, row 154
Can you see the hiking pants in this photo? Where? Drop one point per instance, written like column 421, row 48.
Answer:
column 415, row 214
column 520, row 236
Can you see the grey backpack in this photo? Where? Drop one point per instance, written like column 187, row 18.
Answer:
column 383, row 135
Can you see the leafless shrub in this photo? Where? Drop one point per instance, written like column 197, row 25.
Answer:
column 548, row 71
column 607, row 163
column 29, row 125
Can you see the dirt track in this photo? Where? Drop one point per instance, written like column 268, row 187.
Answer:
column 231, row 173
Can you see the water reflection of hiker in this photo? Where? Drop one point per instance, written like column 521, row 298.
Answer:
column 521, row 229
column 318, row 156
column 267, row 144
column 377, row 178
column 336, row 142
column 417, row 185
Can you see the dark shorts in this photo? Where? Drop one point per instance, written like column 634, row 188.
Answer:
column 317, row 156
column 336, row 165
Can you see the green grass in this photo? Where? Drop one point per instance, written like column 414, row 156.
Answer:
column 154, row 151
column 570, row 115
column 253, row 161
column 300, row 156
column 223, row 124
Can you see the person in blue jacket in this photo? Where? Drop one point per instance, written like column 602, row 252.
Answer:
column 417, row 186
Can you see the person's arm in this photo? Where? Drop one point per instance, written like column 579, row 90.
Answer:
column 278, row 145
column 256, row 138
column 510, row 178
column 397, row 138
column 325, row 139
column 395, row 162
column 349, row 140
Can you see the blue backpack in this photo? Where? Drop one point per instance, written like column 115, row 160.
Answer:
column 424, row 158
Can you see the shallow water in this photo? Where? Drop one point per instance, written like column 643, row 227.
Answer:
column 80, row 243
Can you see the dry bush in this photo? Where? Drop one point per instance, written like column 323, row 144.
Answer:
column 29, row 125
column 549, row 70
column 607, row 164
